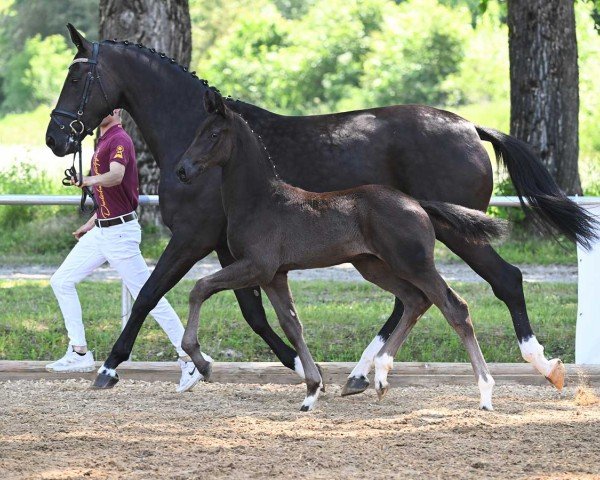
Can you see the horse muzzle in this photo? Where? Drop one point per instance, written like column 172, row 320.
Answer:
column 60, row 145
column 182, row 175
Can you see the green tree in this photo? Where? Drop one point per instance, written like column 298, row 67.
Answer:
column 417, row 49
column 35, row 75
column 299, row 65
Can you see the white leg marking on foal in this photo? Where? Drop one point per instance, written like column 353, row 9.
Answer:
column 298, row 368
column 363, row 367
column 107, row 371
column 485, row 390
column 383, row 364
column 310, row 400
column 533, row 352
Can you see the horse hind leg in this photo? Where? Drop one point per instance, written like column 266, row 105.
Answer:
column 412, row 305
column 456, row 312
column 506, row 281
column 358, row 380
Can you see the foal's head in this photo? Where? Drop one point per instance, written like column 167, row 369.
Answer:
column 213, row 142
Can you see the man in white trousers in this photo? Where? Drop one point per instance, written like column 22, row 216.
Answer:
column 111, row 235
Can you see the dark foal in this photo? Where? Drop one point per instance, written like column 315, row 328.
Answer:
column 273, row 227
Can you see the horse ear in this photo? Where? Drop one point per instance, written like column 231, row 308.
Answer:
column 220, row 105
column 213, row 103
column 77, row 38
column 209, row 102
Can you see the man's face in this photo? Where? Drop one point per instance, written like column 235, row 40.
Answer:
column 111, row 118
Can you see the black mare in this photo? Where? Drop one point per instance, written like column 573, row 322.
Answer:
column 427, row 153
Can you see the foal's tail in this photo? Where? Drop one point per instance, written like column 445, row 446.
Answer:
column 475, row 226
column 534, row 183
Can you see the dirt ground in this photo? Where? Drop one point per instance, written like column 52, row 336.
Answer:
column 60, row 429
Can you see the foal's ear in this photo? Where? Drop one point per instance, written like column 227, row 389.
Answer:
column 213, row 103
column 78, row 39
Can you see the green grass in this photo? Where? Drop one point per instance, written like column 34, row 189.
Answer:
column 46, row 240
column 339, row 319
column 522, row 248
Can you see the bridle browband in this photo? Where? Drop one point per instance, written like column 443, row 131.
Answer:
column 77, row 129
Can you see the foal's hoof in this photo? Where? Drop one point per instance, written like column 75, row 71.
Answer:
column 557, row 375
column 355, row 385
column 104, row 381
column 381, row 391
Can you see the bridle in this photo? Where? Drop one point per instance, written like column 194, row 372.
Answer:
column 77, row 129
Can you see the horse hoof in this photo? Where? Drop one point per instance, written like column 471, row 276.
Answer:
column 557, row 375
column 321, row 373
column 304, row 408
column 104, row 381
column 206, row 373
column 487, row 408
column 355, row 385
column 381, row 391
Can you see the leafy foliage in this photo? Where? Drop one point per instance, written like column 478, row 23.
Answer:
column 35, row 75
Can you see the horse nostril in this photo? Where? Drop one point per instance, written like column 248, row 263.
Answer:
column 181, row 174
column 50, row 141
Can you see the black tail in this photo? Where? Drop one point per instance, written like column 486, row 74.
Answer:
column 534, row 183
column 476, row 226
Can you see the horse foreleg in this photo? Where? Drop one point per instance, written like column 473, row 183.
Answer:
column 239, row 274
column 280, row 296
column 250, row 302
column 174, row 263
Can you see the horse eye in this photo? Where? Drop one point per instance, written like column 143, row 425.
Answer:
column 214, row 135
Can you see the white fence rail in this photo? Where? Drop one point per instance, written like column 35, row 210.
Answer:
column 497, row 201
column 587, row 348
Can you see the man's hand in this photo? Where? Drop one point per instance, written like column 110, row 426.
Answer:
column 86, row 182
column 81, row 231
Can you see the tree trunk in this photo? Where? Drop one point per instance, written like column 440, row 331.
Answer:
column 160, row 24
column 544, row 88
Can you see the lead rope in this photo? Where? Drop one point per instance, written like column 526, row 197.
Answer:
column 85, row 191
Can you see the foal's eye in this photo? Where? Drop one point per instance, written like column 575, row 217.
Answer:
column 214, row 135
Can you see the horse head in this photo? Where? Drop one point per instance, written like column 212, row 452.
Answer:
column 85, row 98
column 213, row 142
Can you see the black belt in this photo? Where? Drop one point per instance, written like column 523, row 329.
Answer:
column 109, row 222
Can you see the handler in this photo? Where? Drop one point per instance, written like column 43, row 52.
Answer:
column 112, row 234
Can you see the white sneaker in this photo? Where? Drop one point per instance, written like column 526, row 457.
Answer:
column 190, row 375
column 73, row 362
